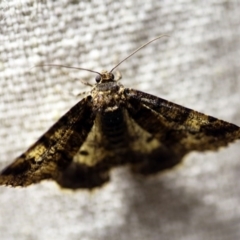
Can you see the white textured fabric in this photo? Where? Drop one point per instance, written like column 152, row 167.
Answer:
column 198, row 67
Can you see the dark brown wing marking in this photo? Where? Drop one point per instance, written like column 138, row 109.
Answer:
column 54, row 151
column 180, row 129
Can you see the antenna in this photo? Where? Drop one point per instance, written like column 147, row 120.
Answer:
column 144, row 45
column 89, row 70
column 63, row 66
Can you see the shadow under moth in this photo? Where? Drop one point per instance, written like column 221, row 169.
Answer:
column 114, row 126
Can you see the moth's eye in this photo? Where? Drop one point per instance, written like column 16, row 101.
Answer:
column 98, row 78
column 112, row 77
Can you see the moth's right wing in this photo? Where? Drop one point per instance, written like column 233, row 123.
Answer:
column 180, row 129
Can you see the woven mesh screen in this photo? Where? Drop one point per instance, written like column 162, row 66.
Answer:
column 197, row 66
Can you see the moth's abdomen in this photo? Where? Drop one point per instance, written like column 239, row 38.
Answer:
column 114, row 129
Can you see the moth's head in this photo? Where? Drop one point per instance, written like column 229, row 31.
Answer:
column 105, row 76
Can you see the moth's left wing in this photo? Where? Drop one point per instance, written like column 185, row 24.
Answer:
column 54, row 151
column 179, row 129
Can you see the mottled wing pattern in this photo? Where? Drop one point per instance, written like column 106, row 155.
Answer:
column 54, row 151
column 149, row 133
column 90, row 166
column 179, row 129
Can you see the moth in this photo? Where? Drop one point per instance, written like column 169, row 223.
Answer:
column 114, row 126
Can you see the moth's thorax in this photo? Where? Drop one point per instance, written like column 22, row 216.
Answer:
column 108, row 94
